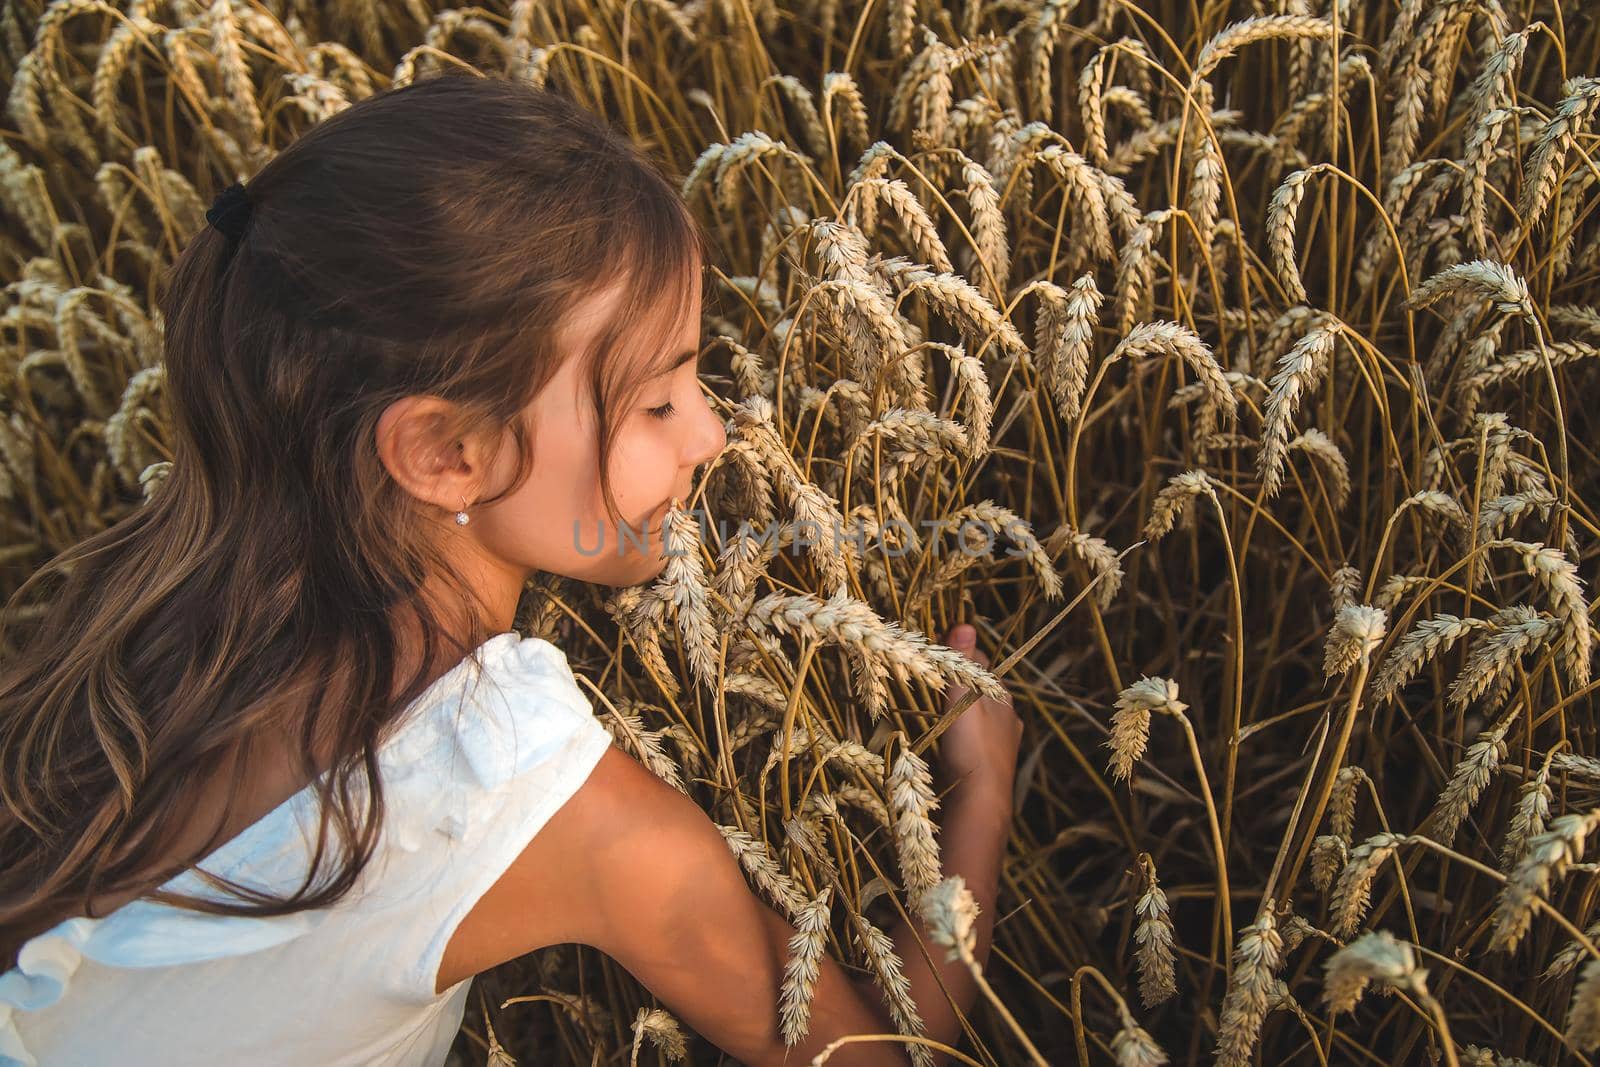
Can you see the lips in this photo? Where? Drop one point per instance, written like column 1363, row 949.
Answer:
column 657, row 518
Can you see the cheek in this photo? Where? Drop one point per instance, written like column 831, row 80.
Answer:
column 562, row 479
column 643, row 470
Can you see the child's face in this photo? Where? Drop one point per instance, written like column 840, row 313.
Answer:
column 556, row 521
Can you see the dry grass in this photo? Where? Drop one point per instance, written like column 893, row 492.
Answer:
column 1216, row 307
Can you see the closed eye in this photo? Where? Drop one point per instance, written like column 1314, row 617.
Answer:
column 665, row 411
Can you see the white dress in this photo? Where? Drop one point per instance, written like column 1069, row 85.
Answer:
column 470, row 774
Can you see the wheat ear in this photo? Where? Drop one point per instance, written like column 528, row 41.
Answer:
column 1468, row 781
column 1374, row 955
column 1353, row 890
column 1244, row 1007
column 1545, row 861
column 803, row 966
column 1153, row 937
column 1130, row 723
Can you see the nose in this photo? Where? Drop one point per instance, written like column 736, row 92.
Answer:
column 710, row 436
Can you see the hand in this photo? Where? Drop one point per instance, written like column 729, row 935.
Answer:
column 979, row 749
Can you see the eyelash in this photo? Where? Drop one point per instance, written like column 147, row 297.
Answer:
column 665, row 411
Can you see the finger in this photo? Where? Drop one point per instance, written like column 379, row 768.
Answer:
column 963, row 637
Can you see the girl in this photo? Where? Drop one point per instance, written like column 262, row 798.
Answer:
column 277, row 775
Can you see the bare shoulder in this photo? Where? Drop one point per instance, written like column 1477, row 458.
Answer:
column 624, row 841
column 546, row 897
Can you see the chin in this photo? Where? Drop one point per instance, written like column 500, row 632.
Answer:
column 634, row 570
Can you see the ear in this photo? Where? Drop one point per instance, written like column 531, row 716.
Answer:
column 415, row 446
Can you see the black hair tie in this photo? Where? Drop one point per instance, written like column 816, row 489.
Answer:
column 230, row 211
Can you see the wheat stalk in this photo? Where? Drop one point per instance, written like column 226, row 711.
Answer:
column 1329, row 854
column 1174, row 339
column 919, row 225
column 683, row 585
column 758, row 862
column 1320, row 447
column 914, row 434
column 952, row 916
column 1006, row 521
column 1495, row 515
column 803, row 832
column 1571, row 954
column 1479, row 1056
column 1281, row 212
column 844, row 621
column 1089, row 195
column 1091, row 106
column 912, row 803
column 1136, row 269
column 988, row 224
column 1342, row 801
column 1578, row 317
column 957, row 297
column 644, row 745
column 1067, row 366
column 840, row 84
column 1205, row 187
column 1344, row 585
column 1521, row 363
column 640, row 614
column 1481, row 151
column 789, row 87
column 1411, row 80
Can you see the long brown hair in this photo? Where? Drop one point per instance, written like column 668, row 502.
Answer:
column 428, row 239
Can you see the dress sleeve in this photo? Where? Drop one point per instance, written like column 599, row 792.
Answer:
column 501, row 757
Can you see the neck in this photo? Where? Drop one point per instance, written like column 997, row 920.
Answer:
column 494, row 588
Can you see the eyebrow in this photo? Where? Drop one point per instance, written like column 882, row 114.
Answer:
column 682, row 357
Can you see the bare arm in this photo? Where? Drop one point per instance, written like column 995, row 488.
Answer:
column 972, row 841
column 636, row 869
column 979, row 754
column 670, row 903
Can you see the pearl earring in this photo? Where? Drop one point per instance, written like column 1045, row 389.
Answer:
column 462, row 516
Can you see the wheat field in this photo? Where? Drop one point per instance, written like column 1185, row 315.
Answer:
column 1228, row 362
